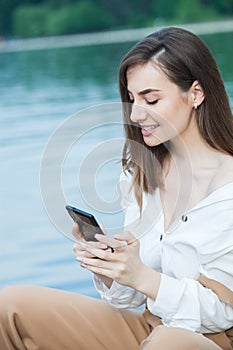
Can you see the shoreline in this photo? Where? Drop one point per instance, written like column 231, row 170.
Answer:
column 109, row 37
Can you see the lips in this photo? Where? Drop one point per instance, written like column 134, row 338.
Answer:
column 148, row 129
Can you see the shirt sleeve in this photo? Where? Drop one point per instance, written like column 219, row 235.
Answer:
column 118, row 295
column 206, row 313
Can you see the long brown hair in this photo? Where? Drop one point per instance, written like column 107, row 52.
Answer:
column 184, row 58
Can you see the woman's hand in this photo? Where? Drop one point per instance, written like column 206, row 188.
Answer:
column 224, row 293
column 123, row 265
column 81, row 247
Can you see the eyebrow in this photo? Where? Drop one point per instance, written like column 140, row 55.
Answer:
column 146, row 91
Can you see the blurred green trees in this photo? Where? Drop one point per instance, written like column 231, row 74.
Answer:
column 31, row 18
column 82, row 16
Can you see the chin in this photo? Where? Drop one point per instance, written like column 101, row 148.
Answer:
column 152, row 141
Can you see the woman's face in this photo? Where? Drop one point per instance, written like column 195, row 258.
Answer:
column 161, row 109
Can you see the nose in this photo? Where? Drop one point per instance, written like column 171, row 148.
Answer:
column 138, row 113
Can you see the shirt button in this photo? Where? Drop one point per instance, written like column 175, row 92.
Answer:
column 184, row 218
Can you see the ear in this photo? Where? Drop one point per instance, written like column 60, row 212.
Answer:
column 197, row 94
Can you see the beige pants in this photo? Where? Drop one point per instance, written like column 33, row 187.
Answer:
column 48, row 319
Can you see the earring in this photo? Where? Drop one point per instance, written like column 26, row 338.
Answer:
column 195, row 105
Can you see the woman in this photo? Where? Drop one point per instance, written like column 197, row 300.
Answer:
column 178, row 186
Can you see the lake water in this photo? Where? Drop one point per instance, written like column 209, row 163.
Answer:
column 61, row 140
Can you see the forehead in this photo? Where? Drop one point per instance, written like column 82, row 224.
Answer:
column 145, row 76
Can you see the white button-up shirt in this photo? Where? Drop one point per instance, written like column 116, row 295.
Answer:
column 199, row 242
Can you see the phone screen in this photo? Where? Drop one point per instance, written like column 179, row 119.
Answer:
column 88, row 226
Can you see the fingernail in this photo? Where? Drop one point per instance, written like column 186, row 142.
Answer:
column 79, row 259
column 103, row 246
column 97, row 235
column 83, row 265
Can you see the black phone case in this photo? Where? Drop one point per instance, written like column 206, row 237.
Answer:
column 88, row 226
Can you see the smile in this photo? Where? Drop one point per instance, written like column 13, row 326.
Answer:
column 148, row 130
column 151, row 127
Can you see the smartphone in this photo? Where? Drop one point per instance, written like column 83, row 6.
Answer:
column 88, row 226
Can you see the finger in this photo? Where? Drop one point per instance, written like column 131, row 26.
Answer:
column 106, row 255
column 83, row 245
column 99, row 270
column 81, row 250
column 76, row 247
column 111, row 242
column 127, row 237
column 81, row 263
column 80, row 254
column 79, row 247
column 76, row 232
column 97, row 263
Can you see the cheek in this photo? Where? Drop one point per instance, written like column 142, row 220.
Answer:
column 176, row 114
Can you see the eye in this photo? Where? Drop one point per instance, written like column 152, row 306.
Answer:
column 152, row 102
